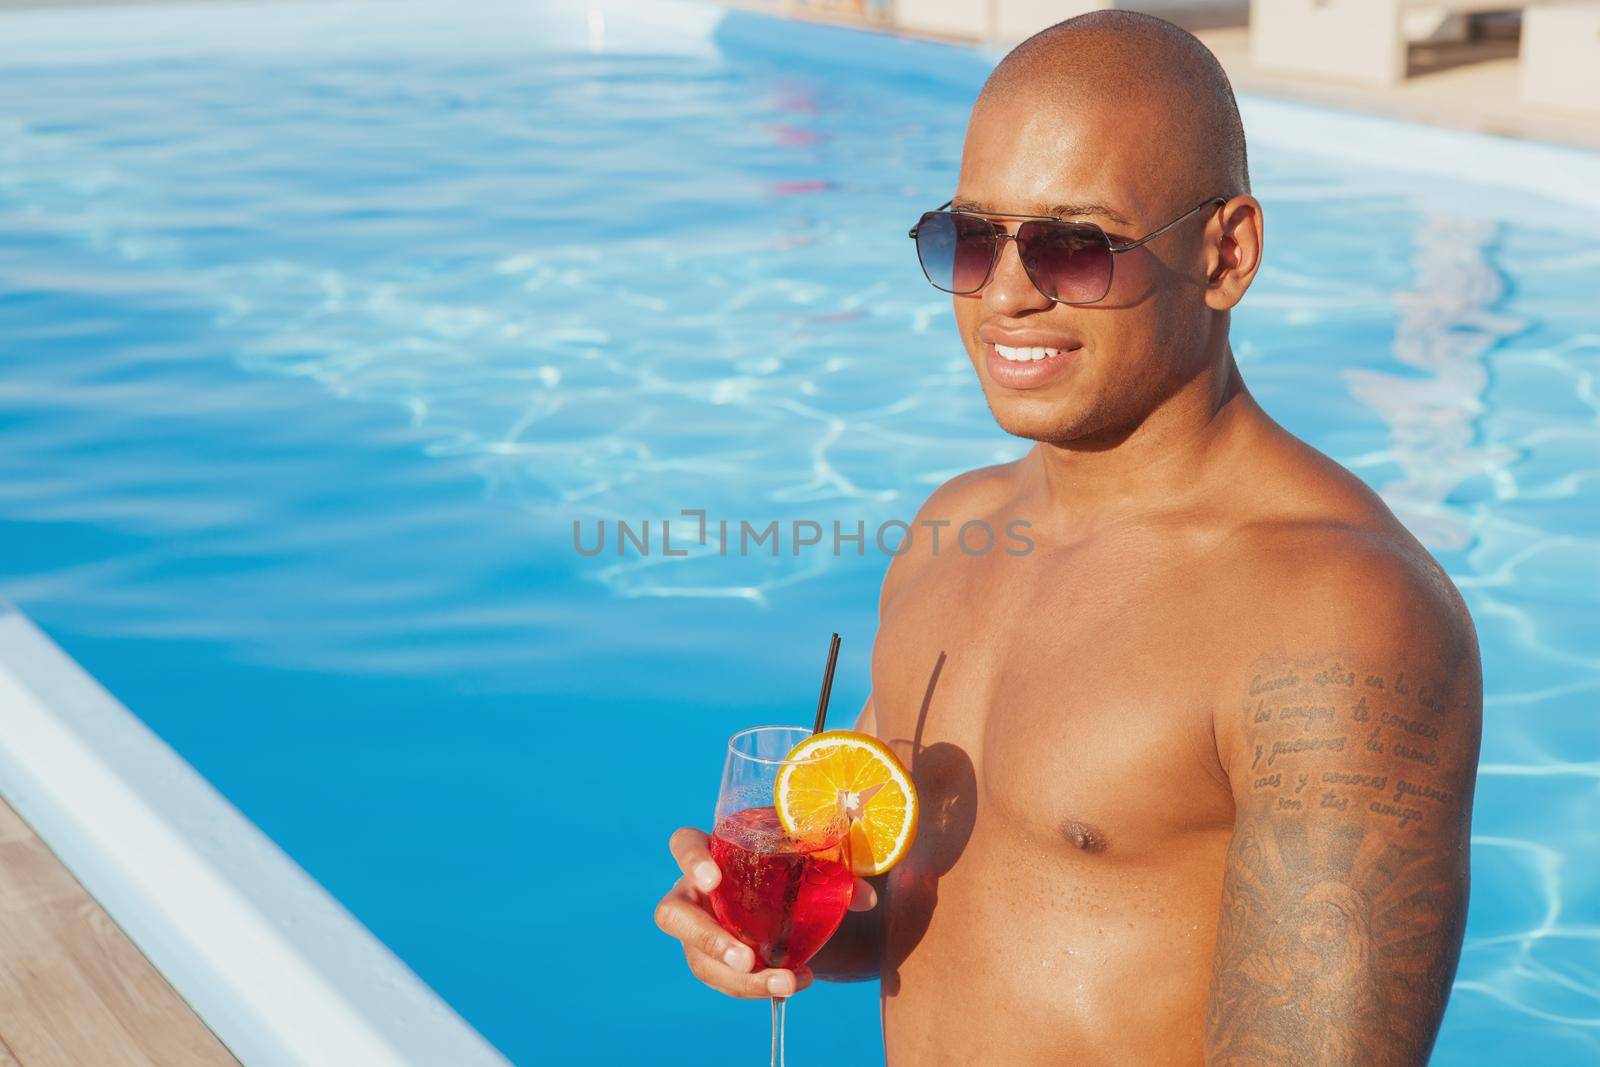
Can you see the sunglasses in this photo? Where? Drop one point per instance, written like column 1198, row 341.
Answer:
column 1069, row 262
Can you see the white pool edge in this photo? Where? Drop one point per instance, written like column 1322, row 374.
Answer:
column 1563, row 174
column 269, row 959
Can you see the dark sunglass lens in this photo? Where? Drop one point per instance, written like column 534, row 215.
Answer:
column 1068, row 261
column 955, row 250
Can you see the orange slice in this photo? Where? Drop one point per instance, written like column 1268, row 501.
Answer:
column 845, row 774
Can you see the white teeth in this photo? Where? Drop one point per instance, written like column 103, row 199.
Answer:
column 1025, row 355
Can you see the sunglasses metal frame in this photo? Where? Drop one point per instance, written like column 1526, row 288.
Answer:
column 1000, row 236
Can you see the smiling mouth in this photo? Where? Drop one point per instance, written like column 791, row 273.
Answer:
column 1027, row 354
column 1028, row 366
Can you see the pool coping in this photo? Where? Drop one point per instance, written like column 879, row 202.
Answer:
column 278, row 969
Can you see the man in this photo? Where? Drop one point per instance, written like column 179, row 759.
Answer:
column 1197, row 770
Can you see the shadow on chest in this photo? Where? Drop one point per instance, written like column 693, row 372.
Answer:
column 1062, row 700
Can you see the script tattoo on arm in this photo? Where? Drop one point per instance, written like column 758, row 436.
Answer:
column 1345, row 890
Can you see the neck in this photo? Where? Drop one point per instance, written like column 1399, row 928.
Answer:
column 1117, row 474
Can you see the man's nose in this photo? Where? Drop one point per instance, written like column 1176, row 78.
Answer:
column 1011, row 291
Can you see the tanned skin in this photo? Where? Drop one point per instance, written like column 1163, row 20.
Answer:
column 1197, row 770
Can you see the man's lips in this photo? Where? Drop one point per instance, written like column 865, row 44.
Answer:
column 1030, row 365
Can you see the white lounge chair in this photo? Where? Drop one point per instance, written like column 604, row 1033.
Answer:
column 1561, row 56
column 1348, row 40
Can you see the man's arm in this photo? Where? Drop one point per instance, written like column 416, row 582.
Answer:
column 1352, row 752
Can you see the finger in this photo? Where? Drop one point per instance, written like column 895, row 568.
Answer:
column 865, row 897
column 688, row 922
column 772, row 982
column 689, row 848
column 783, row 983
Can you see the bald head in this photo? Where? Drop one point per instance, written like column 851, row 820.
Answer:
column 1158, row 75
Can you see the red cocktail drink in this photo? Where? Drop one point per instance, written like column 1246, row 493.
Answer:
column 781, row 896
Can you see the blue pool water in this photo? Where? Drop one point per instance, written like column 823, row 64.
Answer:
column 320, row 325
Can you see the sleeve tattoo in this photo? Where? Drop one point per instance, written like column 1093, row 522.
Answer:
column 1345, row 890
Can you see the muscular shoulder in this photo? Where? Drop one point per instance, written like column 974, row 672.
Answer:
column 1368, row 573
column 1364, row 585
column 975, row 495
column 1333, row 584
column 1351, row 652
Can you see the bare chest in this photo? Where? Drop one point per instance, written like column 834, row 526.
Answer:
column 1062, row 691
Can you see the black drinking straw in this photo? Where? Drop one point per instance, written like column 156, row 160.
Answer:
column 827, row 684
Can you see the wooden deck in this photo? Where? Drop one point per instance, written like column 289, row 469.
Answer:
column 74, row 991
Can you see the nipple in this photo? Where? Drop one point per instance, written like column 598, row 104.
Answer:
column 1082, row 836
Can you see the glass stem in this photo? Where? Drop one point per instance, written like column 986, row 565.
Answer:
column 778, row 1004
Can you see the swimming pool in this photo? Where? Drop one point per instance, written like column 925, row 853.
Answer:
column 321, row 324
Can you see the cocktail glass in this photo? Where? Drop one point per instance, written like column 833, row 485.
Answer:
column 782, row 895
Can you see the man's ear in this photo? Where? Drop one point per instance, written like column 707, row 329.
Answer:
column 1233, row 251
